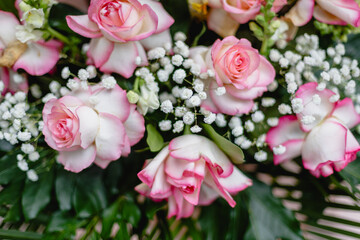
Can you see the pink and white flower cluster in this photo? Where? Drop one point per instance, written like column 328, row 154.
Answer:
column 320, row 134
column 239, row 68
column 38, row 58
column 336, row 12
column 121, row 31
column 96, row 125
column 191, row 171
column 225, row 16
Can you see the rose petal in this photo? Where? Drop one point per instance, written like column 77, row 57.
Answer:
column 193, row 147
column 164, row 19
column 348, row 11
column 8, row 27
column 345, row 111
column 221, row 22
column 326, row 142
column 76, row 161
column 122, row 59
column 293, row 150
column 228, row 104
column 100, row 50
column 236, row 182
column 39, row 58
column 302, row 12
column 82, row 25
column 88, row 125
column 287, row 129
column 110, row 138
column 112, row 101
column 319, row 111
column 134, row 126
column 147, row 175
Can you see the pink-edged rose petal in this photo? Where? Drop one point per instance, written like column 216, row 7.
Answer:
column 8, row 27
column 78, row 160
column 84, row 26
column 110, row 138
column 236, row 182
column 222, row 23
column 326, row 142
column 88, row 125
column 345, row 111
column 164, row 18
column 147, row 175
column 122, row 59
column 100, row 50
column 39, row 58
column 311, row 108
column 302, row 12
column 121, row 106
column 134, row 126
column 193, row 147
column 287, row 129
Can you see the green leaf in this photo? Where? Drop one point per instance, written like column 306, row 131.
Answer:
column 89, row 196
column 109, row 218
column 9, row 169
column 64, row 187
column 62, row 222
column 229, row 148
column 122, row 234
column 36, row 195
column 269, row 219
column 14, row 234
column 154, row 138
column 131, row 212
column 11, row 192
column 14, row 213
column 8, row 6
column 352, row 174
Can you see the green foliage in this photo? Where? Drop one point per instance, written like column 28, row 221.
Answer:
column 269, row 219
column 336, row 32
column 8, row 6
column 36, row 195
column 154, row 138
column 234, row 152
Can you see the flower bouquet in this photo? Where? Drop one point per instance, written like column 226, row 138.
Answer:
column 174, row 119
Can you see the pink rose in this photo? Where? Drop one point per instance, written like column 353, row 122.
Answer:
column 240, row 69
column 38, row 57
column 226, row 15
column 13, row 81
column 337, row 12
column 325, row 142
column 116, row 28
column 94, row 125
column 191, row 171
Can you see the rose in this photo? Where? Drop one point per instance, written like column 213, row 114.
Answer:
column 25, row 50
column 226, row 15
column 191, row 171
column 240, row 69
column 94, row 125
column 116, row 28
column 325, row 143
column 337, row 12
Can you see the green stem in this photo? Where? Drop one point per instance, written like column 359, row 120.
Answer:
column 58, row 35
column 14, row 234
column 196, row 40
column 264, row 45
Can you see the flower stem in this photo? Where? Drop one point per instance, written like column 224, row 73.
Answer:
column 58, row 35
